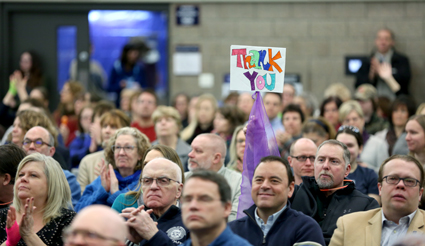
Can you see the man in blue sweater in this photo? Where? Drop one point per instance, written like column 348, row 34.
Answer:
column 271, row 221
column 206, row 205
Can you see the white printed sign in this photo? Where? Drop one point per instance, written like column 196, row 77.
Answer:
column 254, row 68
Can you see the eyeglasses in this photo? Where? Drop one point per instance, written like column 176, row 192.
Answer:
column 37, row 143
column 125, row 148
column 394, row 180
column 89, row 237
column 352, row 128
column 161, row 181
column 303, row 158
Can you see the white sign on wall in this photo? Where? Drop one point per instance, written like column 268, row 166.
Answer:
column 255, row 68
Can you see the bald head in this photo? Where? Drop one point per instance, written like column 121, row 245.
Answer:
column 102, row 220
column 301, row 159
column 208, row 152
column 163, row 163
column 39, row 133
column 300, row 144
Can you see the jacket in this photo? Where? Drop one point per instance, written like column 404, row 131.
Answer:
column 96, row 194
column 86, row 169
column 364, row 228
column 401, row 72
column 343, row 201
column 289, row 228
column 226, row 238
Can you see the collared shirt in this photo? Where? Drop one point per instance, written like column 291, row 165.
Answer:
column 270, row 220
column 392, row 231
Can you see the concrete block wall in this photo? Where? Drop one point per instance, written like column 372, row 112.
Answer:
column 317, row 37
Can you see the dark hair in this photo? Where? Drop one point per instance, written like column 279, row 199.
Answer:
column 222, row 184
column 115, row 117
column 127, row 48
column 80, row 127
column 234, row 115
column 293, row 108
column 187, row 97
column 320, row 126
column 34, row 103
column 152, row 92
column 384, row 103
column 35, row 78
column 406, row 158
column 400, row 101
column 272, row 93
column 101, row 108
column 10, row 157
column 271, row 158
column 352, row 130
column 330, row 99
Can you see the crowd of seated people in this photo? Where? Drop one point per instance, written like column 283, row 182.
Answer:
column 174, row 172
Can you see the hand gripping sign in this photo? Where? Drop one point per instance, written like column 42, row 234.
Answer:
column 254, row 68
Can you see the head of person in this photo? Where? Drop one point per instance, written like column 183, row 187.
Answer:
column 421, row 109
column 332, row 164
column 307, row 103
column 26, row 120
column 39, row 139
column 400, row 197
column 181, row 103
column 30, row 64
column 301, row 157
column 402, row 109
column 206, row 201
column 161, row 184
column 167, row 121
column 231, row 99
column 84, row 119
column 125, row 96
column 384, row 40
column 288, row 94
column 146, row 103
column 318, row 130
column 40, row 93
column 134, row 101
column 96, row 225
column 366, row 95
column 130, row 54
column 237, row 146
column 42, row 178
column 329, row 109
column 31, row 104
column 351, row 114
column 10, row 157
column 338, row 90
column 227, row 118
column 415, row 138
column 352, row 138
column 245, row 103
column 125, row 150
column 383, row 107
column 272, row 184
column 70, row 90
column 272, row 104
column 111, row 121
column 208, row 152
column 292, row 119
column 205, row 109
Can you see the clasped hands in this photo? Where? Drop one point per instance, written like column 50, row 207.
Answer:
column 108, row 178
column 25, row 228
column 141, row 225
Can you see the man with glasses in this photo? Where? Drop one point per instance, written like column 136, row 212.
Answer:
column 96, row 225
column 206, row 204
column 401, row 180
column 39, row 139
column 301, row 158
column 327, row 196
column 158, row 221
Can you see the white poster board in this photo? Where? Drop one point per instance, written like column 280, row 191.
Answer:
column 255, row 68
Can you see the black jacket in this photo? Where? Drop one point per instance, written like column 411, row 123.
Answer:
column 401, row 72
column 343, row 201
column 289, row 228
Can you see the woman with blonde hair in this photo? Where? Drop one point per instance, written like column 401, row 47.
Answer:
column 205, row 109
column 375, row 150
column 237, row 149
column 120, row 171
column 41, row 203
column 167, row 127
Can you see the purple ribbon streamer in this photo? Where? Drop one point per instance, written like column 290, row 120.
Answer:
column 260, row 142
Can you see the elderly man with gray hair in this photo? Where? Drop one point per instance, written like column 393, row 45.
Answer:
column 327, row 196
column 158, row 221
